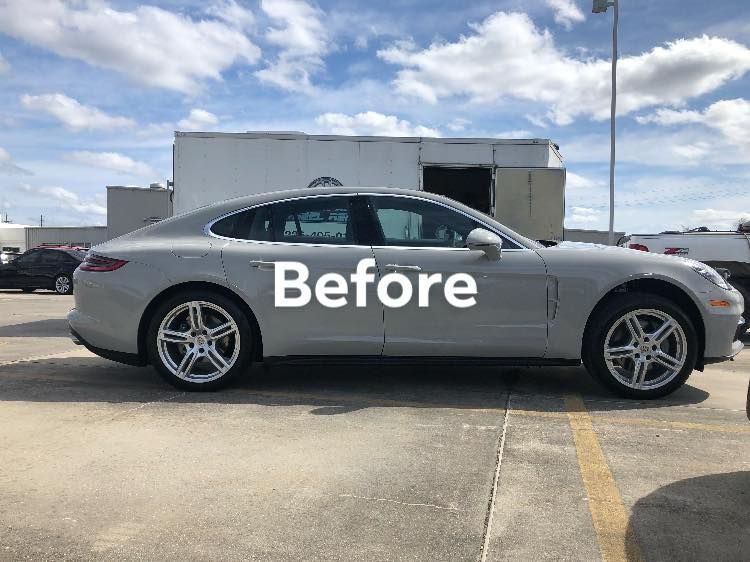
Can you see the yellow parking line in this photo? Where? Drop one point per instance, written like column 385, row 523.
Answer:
column 643, row 421
column 607, row 510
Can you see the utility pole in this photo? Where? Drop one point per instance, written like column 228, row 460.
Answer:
column 41, row 220
column 600, row 6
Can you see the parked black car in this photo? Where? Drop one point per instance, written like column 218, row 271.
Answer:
column 42, row 268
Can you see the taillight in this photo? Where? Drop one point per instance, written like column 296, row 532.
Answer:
column 100, row 263
column 640, row 247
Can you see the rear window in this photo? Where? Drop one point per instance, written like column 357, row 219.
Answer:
column 317, row 220
column 76, row 254
column 252, row 224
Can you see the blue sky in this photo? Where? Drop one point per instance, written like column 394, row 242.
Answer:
column 91, row 92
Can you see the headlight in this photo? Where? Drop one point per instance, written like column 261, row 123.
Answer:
column 711, row 274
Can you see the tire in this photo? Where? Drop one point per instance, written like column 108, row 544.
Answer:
column 63, row 284
column 187, row 356
column 663, row 365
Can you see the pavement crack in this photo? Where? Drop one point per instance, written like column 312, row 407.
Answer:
column 144, row 404
column 388, row 500
column 493, row 493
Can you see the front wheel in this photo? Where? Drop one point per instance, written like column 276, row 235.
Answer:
column 199, row 341
column 641, row 346
column 63, row 285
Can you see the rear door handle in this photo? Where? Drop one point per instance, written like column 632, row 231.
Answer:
column 397, row 267
column 263, row 265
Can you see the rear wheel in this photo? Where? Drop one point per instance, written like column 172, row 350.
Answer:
column 63, row 284
column 199, row 341
column 641, row 346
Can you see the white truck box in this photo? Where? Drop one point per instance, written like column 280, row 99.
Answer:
column 520, row 182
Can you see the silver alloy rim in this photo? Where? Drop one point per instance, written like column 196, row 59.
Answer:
column 62, row 284
column 645, row 349
column 198, row 341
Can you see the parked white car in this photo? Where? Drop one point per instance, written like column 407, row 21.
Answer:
column 728, row 251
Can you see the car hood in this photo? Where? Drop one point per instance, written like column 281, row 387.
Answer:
column 586, row 252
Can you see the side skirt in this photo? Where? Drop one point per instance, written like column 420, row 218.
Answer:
column 415, row 360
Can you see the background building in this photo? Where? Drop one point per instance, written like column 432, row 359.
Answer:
column 83, row 236
column 12, row 237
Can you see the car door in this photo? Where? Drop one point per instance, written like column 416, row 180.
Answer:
column 24, row 269
column 325, row 234
column 509, row 319
column 47, row 266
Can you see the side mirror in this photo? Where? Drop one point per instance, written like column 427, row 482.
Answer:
column 488, row 242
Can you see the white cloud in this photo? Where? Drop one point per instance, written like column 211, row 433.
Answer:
column 577, row 181
column 9, row 167
column 149, row 45
column 582, row 216
column 687, row 146
column 567, row 12
column 4, row 65
column 730, row 117
column 458, row 124
column 113, row 161
column 65, row 199
column 514, row 134
column 73, row 114
column 372, row 123
column 198, row 120
column 233, row 14
column 507, row 56
column 303, row 39
column 720, row 219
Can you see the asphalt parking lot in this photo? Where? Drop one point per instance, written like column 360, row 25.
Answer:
column 103, row 461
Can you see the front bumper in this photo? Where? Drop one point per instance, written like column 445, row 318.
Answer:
column 737, row 347
column 723, row 327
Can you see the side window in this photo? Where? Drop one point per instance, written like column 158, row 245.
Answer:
column 416, row 222
column 29, row 258
column 50, row 258
column 316, row 220
column 253, row 224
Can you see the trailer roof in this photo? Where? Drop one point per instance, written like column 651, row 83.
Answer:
column 283, row 135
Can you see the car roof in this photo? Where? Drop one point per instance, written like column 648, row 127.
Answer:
column 71, row 251
column 278, row 195
column 198, row 218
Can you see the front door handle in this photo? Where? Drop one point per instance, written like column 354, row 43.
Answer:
column 397, row 267
column 263, row 265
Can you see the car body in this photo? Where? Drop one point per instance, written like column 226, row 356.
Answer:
column 535, row 305
column 42, row 268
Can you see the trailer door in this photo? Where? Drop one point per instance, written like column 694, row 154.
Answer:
column 531, row 201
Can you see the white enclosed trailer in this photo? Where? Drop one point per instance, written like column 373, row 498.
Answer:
column 520, row 182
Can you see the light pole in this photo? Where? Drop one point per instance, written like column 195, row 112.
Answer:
column 600, row 7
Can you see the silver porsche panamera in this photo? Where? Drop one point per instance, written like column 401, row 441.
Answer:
column 194, row 295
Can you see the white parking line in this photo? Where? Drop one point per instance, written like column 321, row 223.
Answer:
column 79, row 352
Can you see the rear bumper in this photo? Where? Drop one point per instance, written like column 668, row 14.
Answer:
column 118, row 356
